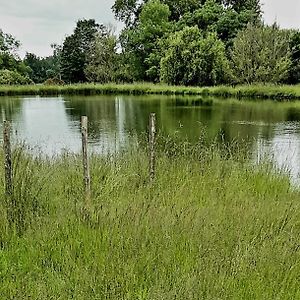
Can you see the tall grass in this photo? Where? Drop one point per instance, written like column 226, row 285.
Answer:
column 211, row 226
column 278, row 92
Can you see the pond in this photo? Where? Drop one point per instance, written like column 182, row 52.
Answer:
column 52, row 124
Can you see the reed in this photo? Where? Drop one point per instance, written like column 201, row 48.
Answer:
column 276, row 92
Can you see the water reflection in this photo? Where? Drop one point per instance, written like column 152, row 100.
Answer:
column 53, row 124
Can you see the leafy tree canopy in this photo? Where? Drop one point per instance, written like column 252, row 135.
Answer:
column 215, row 17
column 103, row 63
column 193, row 58
column 75, row 49
column 142, row 43
column 294, row 45
column 128, row 11
column 8, row 43
column 261, row 54
column 13, row 70
column 149, row 24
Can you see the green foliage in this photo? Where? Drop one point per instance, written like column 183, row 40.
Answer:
column 294, row 44
column 133, row 56
column 8, row 43
column 75, row 50
column 41, row 68
column 149, row 23
column 102, row 63
column 154, row 24
column 154, row 48
column 260, row 54
column 242, row 5
column 180, row 7
column 126, row 10
column 192, row 58
column 215, row 17
column 154, row 20
column 56, row 61
column 204, row 17
column 8, row 77
column 8, row 61
column 12, row 69
column 142, row 43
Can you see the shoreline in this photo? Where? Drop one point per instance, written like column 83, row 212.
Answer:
column 274, row 92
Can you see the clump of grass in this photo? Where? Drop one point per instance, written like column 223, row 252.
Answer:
column 276, row 92
column 211, row 226
column 22, row 207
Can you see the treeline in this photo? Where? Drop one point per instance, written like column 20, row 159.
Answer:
column 182, row 42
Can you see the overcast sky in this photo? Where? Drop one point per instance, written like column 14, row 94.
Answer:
column 38, row 23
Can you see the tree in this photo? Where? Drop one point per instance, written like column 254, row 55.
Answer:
column 37, row 67
column 75, row 49
column 150, row 22
column 180, row 7
column 128, row 11
column 8, row 44
column 142, row 43
column 294, row 45
column 9, row 59
column 260, row 54
column 41, row 68
column 242, row 5
column 193, row 58
column 13, row 70
column 103, row 61
column 153, row 26
column 56, row 65
column 226, row 21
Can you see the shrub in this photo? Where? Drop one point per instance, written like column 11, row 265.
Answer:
column 12, row 77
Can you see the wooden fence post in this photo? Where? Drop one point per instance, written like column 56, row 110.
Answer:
column 86, row 169
column 7, row 159
column 152, row 141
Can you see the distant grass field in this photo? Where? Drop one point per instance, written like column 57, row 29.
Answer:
column 278, row 92
column 211, row 226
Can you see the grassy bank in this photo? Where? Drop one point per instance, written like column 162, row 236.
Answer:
column 282, row 92
column 212, row 226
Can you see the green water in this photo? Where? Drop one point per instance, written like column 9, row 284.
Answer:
column 52, row 125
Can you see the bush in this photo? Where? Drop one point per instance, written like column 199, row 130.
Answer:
column 193, row 58
column 260, row 54
column 12, row 77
